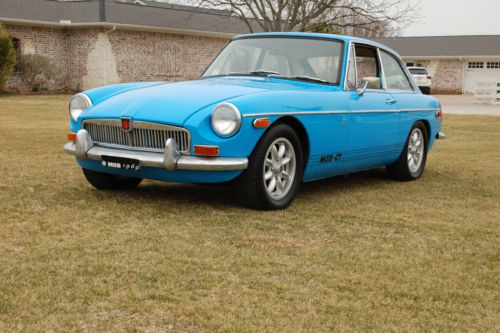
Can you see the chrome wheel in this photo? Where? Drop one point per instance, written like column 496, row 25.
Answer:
column 416, row 149
column 279, row 168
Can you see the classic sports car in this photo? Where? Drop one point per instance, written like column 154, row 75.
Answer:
column 273, row 110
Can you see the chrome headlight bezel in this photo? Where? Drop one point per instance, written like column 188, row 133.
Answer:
column 75, row 110
column 216, row 119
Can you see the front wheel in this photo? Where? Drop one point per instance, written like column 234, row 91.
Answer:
column 105, row 181
column 411, row 163
column 274, row 172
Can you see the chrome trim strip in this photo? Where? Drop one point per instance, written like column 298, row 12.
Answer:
column 419, row 110
column 383, row 81
column 316, row 113
column 170, row 159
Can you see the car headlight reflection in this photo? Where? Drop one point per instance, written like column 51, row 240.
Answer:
column 226, row 120
column 78, row 104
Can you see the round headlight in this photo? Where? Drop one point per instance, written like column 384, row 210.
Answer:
column 226, row 119
column 78, row 104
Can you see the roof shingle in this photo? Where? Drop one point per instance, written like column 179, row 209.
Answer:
column 444, row 46
column 151, row 14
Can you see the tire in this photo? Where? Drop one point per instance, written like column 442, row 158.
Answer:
column 425, row 90
column 105, row 181
column 411, row 163
column 277, row 156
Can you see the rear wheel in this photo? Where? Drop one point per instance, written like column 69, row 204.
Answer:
column 425, row 90
column 275, row 170
column 411, row 163
column 105, row 181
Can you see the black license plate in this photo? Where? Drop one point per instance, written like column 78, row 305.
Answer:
column 121, row 163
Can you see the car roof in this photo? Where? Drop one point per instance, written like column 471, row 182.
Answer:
column 416, row 67
column 343, row 38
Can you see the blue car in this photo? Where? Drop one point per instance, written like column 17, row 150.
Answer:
column 271, row 111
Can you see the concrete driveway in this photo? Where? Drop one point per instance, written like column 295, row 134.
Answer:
column 464, row 104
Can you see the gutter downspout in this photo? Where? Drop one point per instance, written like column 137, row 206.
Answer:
column 102, row 10
column 105, row 58
column 463, row 74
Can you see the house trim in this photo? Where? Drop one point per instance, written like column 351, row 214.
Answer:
column 109, row 25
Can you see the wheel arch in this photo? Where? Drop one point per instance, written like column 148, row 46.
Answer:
column 301, row 131
column 427, row 128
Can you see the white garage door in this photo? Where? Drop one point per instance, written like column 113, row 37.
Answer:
column 480, row 71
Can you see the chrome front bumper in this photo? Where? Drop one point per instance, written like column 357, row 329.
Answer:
column 440, row 136
column 171, row 159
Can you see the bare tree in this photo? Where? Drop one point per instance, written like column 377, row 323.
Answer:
column 358, row 17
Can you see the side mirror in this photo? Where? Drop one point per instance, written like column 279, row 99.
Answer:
column 368, row 83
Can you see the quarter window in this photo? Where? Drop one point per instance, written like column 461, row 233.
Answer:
column 493, row 64
column 395, row 76
column 351, row 71
column 475, row 64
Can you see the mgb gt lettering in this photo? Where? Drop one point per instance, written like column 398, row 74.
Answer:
column 329, row 158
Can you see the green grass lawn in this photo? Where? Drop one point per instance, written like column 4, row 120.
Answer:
column 362, row 253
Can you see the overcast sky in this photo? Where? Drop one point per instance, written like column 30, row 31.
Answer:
column 456, row 17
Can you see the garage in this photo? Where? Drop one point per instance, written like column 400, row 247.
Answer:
column 456, row 63
column 478, row 71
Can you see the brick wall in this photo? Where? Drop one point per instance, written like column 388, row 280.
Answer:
column 51, row 43
column 87, row 58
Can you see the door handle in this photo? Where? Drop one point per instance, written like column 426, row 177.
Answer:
column 390, row 101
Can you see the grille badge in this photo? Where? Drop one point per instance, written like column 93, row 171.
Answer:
column 126, row 124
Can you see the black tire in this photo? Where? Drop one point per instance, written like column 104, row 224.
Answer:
column 401, row 169
column 252, row 190
column 425, row 90
column 105, row 181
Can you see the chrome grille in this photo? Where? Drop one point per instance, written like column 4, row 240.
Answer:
column 143, row 135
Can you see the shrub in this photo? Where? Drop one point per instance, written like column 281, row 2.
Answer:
column 35, row 70
column 7, row 57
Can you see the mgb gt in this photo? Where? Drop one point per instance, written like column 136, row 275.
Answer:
column 271, row 111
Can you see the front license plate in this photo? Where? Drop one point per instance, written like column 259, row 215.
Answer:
column 121, row 163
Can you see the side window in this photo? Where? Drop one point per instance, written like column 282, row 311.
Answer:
column 351, row 71
column 366, row 63
column 395, row 76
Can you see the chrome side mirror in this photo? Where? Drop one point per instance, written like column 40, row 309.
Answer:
column 368, row 83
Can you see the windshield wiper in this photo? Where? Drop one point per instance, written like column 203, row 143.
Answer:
column 253, row 73
column 305, row 78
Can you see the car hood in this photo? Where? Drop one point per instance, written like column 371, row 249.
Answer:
column 174, row 103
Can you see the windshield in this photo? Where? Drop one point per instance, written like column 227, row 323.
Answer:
column 418, row 71
column 315, row 60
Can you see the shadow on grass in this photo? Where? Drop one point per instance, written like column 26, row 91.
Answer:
column 335, row 185
column 226, row 196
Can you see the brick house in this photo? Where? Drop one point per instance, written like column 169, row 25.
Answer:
column 100, row 42
column 456, row 63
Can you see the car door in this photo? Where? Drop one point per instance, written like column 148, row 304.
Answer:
column 373, row 117
column 409, row 101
